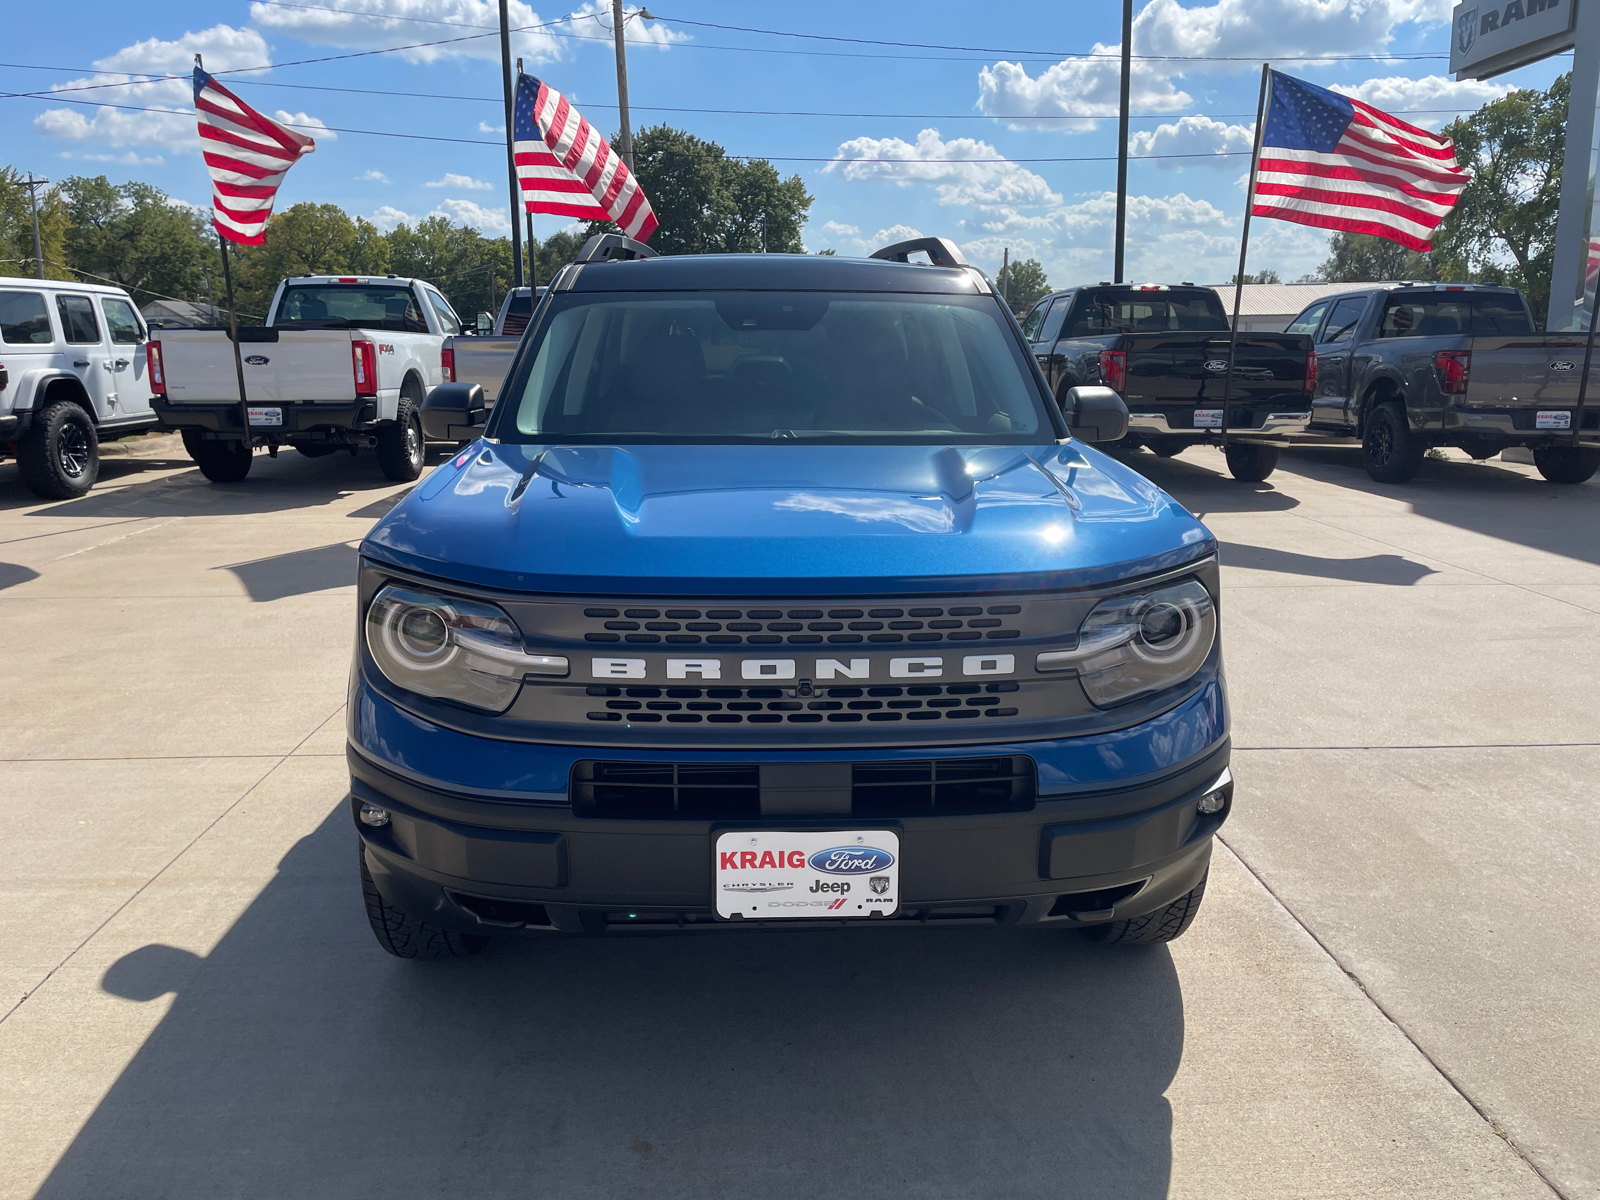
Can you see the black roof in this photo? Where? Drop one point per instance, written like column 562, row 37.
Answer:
column 773, row 272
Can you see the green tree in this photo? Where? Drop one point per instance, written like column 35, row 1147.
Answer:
column 1362, row 258
column 708, row 203
column 557, row 250
column 131, row 234
column 1267, row 276
column 1022, row 282
column 16, row 228
column 471, row 270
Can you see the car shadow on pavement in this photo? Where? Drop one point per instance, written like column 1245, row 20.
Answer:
column 1202, row 490
column 1393, row 569
column 299, row 1060
column 318, row 569
column 12, row 574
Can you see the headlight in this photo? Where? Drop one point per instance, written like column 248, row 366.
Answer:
column 1133, row 645
column 459, row 650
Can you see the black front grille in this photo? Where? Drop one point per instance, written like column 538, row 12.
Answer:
column 821, row 625
column 732, row 791
column 776, row 706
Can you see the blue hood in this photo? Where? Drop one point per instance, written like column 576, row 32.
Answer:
column 790, row 519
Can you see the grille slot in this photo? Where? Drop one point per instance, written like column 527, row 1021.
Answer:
column 804, row 626
column 766, row 706
column 732, row 791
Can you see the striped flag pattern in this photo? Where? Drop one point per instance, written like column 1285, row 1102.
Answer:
column 1337, row 163
column 568, row 169
column 247, row 154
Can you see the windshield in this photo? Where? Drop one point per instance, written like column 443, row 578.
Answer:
column 1129, row 310
column 350, row 306
column 728, row 366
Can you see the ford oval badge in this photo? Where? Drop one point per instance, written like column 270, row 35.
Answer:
column 258, row 360
column 1219, row 365
column 851, row 860
column 1562, row 364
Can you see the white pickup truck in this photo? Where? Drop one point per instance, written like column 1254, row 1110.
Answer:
column 72, row 371
column 343, row 361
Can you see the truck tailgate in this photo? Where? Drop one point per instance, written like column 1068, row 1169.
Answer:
column 1191, row 366
column 1530, row 372
column 484, row 361
column 287, row 365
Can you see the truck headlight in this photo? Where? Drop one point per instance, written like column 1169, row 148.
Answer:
column 1134, row 645
column 460, row 650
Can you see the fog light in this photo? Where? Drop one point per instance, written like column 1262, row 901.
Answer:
column 1211, row 802
column 372, row 815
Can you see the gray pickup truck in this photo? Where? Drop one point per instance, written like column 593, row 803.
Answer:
column 484, row 358
column 1411, row 366
column 1164, row 349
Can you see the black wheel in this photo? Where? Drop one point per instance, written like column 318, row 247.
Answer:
column 1164, row 925
column 400, row 445
column 220, row 462
column 1566, row 464
column 60, row 457
column 403, row 935
column 1250, row 463
column 1166, row 447
column 317, row 449
column 1389, row 450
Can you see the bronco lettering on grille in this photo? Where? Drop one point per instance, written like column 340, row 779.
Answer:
column 784, row 669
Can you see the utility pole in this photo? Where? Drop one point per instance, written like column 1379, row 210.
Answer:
column 1005, row 276
column 511, row 150
column 1122, row 140
column 33, row 199
column 618, row 32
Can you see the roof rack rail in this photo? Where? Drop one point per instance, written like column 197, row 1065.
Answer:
column 941, row 252
column 613, row 247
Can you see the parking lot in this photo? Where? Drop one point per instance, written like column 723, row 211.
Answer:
column 1390, row 992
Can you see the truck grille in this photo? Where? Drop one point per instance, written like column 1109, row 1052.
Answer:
column 733, row 791
column 772, row 706
column 802, row 626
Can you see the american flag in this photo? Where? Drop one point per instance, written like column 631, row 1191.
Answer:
column 1336, row 163
column 568, row 169
column 247, row 154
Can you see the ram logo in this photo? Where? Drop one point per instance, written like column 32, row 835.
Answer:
column 1466, row 30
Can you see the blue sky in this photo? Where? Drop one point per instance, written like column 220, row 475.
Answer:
column 1021, row 83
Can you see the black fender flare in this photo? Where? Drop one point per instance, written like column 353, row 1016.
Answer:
column 1378, row 388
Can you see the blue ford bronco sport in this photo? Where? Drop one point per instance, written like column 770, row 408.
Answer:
column 778, row 591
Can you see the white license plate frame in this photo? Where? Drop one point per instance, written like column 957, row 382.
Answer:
column 266, row 416
column 1208, row 418
column 800, row 874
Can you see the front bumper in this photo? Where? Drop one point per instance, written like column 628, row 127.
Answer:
column 482, row 865
column 298, row 417
column 1272, row 424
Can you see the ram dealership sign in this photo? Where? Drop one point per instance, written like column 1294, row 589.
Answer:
column 1488, row 37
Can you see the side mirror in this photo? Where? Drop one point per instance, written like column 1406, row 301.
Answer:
column 485, row 324
column 453, row 412
column 1095, row 414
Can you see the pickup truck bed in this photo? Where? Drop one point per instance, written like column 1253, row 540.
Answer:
column 1165, row 350
column 484, row 358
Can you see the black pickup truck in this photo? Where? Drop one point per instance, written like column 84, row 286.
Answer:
column 1164, row 349
column 1411, row 366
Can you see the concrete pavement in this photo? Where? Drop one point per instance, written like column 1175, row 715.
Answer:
column 1388, row 992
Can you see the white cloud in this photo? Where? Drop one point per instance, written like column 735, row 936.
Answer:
column 388, row 216
column 1076, row 86
column 459, row 181
column 1239, row 34
column 372, row 177
column 470, row 212
column 1195, row 135
column 932, row 160
column 485, row 127
column 636, row 30
column 308, row 125
column 172, row 125
column 893, row 234
column 1396, row 94
column 128, row 159
column 835, row 230
column 375, row 24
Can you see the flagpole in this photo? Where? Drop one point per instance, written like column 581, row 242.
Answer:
column 1244, row 249
column 511, row 147
column 233, row 322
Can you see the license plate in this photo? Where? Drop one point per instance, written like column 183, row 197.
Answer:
column 266, row 416
column 1208, row 418
column 1552, row 419
column 765, row 875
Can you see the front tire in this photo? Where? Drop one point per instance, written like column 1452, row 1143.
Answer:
column 1251, row 463
column 1389, row 450
column 400, row 445
column 402, row 934
column 1566, row 464
column 219, row 461
column 60, row 457
column 1164, row 925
